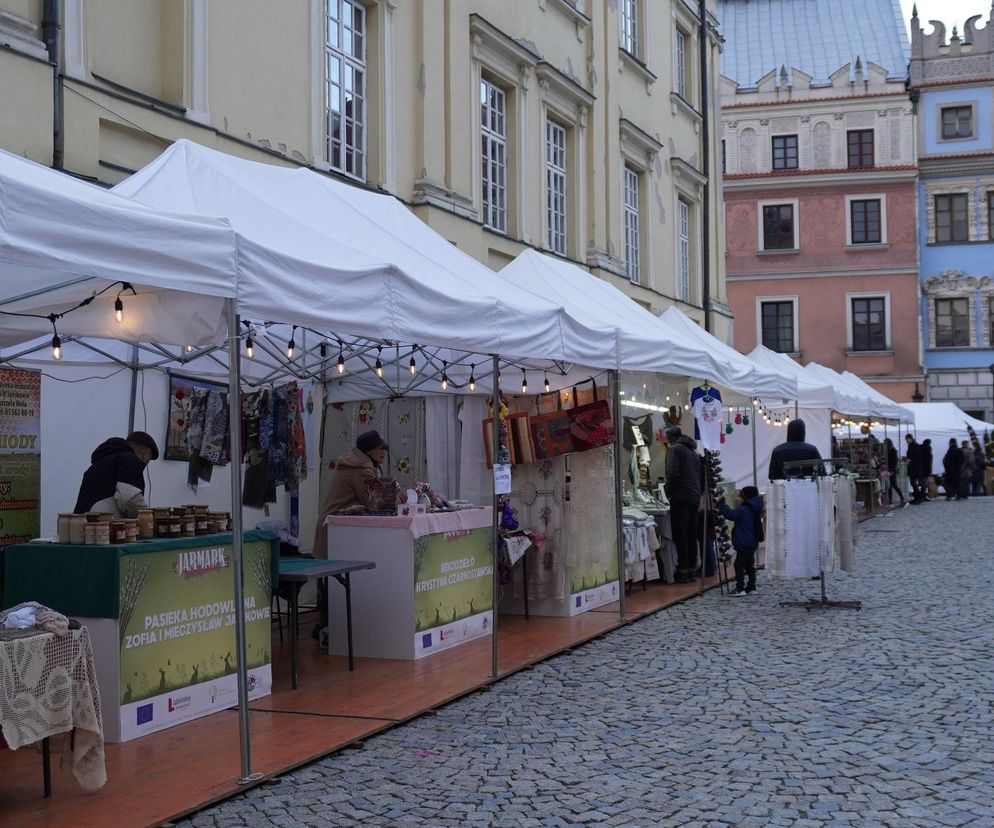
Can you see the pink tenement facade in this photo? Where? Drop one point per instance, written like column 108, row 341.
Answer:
column 820, row 195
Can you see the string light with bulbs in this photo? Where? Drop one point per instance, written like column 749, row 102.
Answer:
column 472, row 377
column 291, row 345
column 445, row 376
column 341, row 357
column 413, row 363
column 379, row 364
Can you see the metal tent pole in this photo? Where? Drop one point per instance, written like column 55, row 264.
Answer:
column 755, row 470
column 618, row 500
column 235, row 417
column 495, row 526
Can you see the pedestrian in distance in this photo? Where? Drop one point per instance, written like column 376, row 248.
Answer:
column 979, row 485
column 914, row 455
column 746, row 536
column 683, row 489
column 952, row 466
column 966, row 474
column 892, row 469
column 926, row 466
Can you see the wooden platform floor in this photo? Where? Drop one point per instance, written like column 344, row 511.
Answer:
column 165, row 775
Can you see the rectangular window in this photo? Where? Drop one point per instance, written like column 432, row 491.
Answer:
column 778, row 227
column 864, row 221
column 632, row 226
column 952, row 323
column 555, row 186
column 493, row 114
column 869, row 323
column 778, row 326
column 951, row 218
column 785, row 152
column 957, row 122
column 683, row 277
column 681, row 64
column 345, row 86
column 629, row 26
column 860, row 145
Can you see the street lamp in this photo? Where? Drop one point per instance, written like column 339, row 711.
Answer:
column 918, row 396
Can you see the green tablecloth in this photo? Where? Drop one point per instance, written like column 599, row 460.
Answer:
column 84, row 581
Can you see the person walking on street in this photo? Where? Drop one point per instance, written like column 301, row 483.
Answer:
column 926, row 466
column 683, row 488
column 745, row 536
column 966, row 474
column 979, row 484
column 892, row 470
column 952, row 466
column 914, row 455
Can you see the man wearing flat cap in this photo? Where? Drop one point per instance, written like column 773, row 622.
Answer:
column 115, row 481
column 348, row 482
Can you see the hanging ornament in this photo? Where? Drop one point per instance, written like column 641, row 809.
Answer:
column 745, row 420
column 738, row 418
column 722, row 437
column 728, row 428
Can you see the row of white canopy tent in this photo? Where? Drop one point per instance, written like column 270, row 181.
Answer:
column 289, row 248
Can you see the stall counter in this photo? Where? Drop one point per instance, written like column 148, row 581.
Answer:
column 432, row 587
column 161, row 619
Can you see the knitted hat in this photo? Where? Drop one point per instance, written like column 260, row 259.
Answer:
column 369, row 440
column 673, row 433
column 143, row 438
column 749, row 492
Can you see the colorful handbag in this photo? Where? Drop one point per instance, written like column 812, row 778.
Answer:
column 591, row 425
column 551, row 432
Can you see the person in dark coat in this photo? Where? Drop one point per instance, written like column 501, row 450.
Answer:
column 952, row 466
column 914, row 455
column 745, row 537
column 683, row 489
column 794, row 449
column 926, row 466
column 966, row 473
column 892, row 468
column 978, row 484
column 115, row 481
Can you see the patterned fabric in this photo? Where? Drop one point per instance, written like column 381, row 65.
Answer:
column 538, row 500
column 214, row 446
column 592, row 528
column 48, row 686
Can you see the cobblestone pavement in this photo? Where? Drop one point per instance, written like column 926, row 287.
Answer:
column 716, row 712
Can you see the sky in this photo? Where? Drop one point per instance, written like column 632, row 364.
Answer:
column 950, row 12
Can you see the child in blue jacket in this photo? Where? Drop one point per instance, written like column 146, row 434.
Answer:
column 746, row 534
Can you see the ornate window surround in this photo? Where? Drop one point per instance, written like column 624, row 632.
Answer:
column 978, row 219
column 954, row 284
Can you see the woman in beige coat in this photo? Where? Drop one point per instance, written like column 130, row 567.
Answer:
column 348, row 482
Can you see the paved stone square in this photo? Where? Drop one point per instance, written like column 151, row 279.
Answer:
column 716, row 712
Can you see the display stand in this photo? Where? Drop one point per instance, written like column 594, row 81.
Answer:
column 818, row 468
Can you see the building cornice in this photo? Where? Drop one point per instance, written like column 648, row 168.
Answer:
column 807, row 102
column 863, row 272
column 802, row 178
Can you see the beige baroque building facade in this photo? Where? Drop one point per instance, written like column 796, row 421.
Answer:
column 572, row 126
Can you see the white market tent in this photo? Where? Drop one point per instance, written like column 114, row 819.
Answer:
column 645, row 341
column 940, row 422
column 876, row 405
column 885, row 406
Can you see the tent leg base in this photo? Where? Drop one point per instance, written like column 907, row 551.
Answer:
column 248, row 780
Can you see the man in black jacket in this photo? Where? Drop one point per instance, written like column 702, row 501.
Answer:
column 914, row 455
column 683, row 489
column 115, row 481
column 794, row 449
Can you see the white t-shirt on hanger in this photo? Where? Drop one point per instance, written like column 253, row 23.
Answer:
column 708, row 413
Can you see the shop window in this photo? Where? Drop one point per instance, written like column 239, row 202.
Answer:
column 952, row 323
column 951, row 218
column 785, row 152
column 865, row 223
column 345, row 101
column 779, row 227
column 493, row 115
column 957, row 122
column 777, row 320
column 555, row 186
column 860, row 148
column 869, row 323
column 632, row 210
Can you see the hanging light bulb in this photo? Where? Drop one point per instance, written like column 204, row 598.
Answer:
column 414, row 365
column 249, row 350
column 56, row 347
column 291, row 346
column 119, row 309
column 341, row 358
column 189, row 349
column 379, row 365
column 445, row 376
column 755, row 401
column 524, row 382
column 546, row 384
column 472, row 377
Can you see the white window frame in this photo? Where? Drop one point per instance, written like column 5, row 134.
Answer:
column 348, row 62
column 682, row 41
column 761, row 300
column 882, row 198
column 683, row 250
column 494, row 214
column 556, row 178
column 776, row 202
column 632, row 212
column 888, row 334
column 629, row 35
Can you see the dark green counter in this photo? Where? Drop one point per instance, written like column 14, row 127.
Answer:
column 84, row 581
